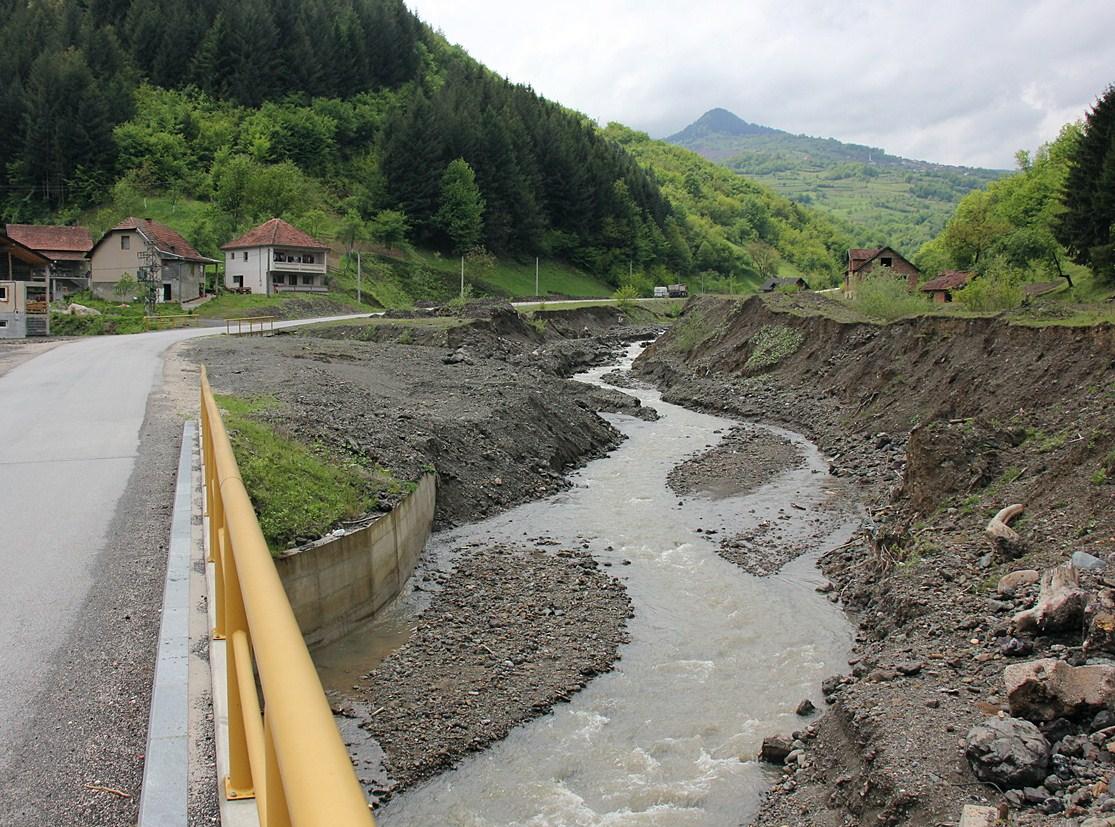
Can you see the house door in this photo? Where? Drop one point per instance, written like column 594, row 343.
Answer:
column 166, row 292
column 238, row 282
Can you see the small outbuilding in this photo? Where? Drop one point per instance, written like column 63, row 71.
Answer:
column 770, row 285
column 940, row 289
column 67, row 248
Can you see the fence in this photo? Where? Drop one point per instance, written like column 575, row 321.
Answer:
column 288, row 754
column 171, row 321
column 249, row 325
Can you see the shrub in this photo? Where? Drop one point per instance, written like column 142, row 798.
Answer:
column 888, row 299
column 990, row 294
column 625, row 296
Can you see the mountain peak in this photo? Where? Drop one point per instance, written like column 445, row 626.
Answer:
column 719, row 122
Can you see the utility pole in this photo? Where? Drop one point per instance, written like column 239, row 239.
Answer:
column 359, row 291
column 536, row 293
column 462, row 278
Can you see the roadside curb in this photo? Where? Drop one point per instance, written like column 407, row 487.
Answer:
column 163, row 796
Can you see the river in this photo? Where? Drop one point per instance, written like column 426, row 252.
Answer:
column 717, row 660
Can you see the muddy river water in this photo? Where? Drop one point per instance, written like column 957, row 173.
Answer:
column 717, row 660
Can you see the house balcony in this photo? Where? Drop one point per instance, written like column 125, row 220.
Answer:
column 300, row 288
column 298, row 266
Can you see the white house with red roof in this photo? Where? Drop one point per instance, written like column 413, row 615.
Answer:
column 145, row 249
column 276, row 257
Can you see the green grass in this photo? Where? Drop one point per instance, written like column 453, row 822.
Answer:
column 771, row 344
column 297, row 491
column 511, row 278
column 116, row 317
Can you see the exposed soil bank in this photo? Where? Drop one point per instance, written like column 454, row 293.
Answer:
column 994, row 414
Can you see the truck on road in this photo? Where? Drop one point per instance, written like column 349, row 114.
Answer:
column 677, row 291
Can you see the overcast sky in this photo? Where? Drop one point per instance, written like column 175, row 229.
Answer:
column 954, row 81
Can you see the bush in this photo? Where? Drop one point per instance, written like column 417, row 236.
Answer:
column 888, row 299
column 990, row 294
column 625, row 296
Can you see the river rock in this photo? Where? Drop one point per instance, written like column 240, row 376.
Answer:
column 1042, row 690
column 1083, row 561
column 1009, row 752
column 1015, row 580
column 806, row 707
column 775, row 749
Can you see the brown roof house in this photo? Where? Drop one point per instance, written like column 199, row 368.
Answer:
column 67, row 248
column 940, row 289
column 23, row 281
column 140, row 247
column 863, row 262
column 276, row 257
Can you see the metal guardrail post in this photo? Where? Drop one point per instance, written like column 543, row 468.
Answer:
column 289, row 756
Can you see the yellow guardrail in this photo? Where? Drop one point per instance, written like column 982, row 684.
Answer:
column 289, row 756
column 250, row 325
column 150, row 321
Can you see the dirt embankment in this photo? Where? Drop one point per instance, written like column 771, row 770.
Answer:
column 496, row 422
column 941, row 422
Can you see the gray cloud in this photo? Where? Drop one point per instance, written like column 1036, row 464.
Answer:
column 955, row 81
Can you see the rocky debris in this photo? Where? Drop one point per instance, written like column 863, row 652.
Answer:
column 805, row 708
column 1009, row 752
column 775, row 749
column 1099, row 623
column 1060, row 605
column 945, row 458
column 1015, row 580
column 1047, row 689
column 512, row 632
column 1083, row 561
column 745, row 459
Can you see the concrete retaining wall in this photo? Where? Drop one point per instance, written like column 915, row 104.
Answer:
column 334, row 586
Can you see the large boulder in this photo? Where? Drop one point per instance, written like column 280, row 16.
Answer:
column 1060, row 606
column 75, row 309
column 1046, row 689
column 1009, row 752
column 775, row 749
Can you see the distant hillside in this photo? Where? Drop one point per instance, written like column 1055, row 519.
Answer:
column 890, row 200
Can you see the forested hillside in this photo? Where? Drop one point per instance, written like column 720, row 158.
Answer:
column 888, row 199
column 743, row 227
column 350, row 115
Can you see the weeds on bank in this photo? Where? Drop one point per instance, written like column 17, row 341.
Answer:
column 771, row 344
column 297, row 491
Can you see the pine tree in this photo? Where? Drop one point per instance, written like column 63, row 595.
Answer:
column 461, row 216
column 1086, row 228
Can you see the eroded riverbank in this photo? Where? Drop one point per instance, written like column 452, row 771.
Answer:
column 717, row 658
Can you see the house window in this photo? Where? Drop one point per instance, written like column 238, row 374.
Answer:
column 307, row 259
column 307, row 279
column 3, row 322
column 886, row 261
column 279, row 278
column 231, row 256
column 245, row 255
column 3, row 294
column 125, row 242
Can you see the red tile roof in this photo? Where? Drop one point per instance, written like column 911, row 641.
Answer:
column 275, row 233
column 166, row 241
column 57, row 243
column 948, row 280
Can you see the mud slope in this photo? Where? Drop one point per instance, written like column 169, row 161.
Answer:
column 942, row 422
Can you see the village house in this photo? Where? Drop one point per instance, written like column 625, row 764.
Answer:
column 67, row 249
column 863, row 262
column 276, row 257
column 23, row 282
column 940, row 289
column 139, row 248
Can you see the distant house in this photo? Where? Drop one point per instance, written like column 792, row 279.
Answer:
column 67, row 249
column 863, row 262
column 770, row 285
column 140, row 247
column 23, row 281
column 940, row 289
column 276, row 257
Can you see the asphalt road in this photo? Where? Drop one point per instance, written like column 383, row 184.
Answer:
column 70, row 437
